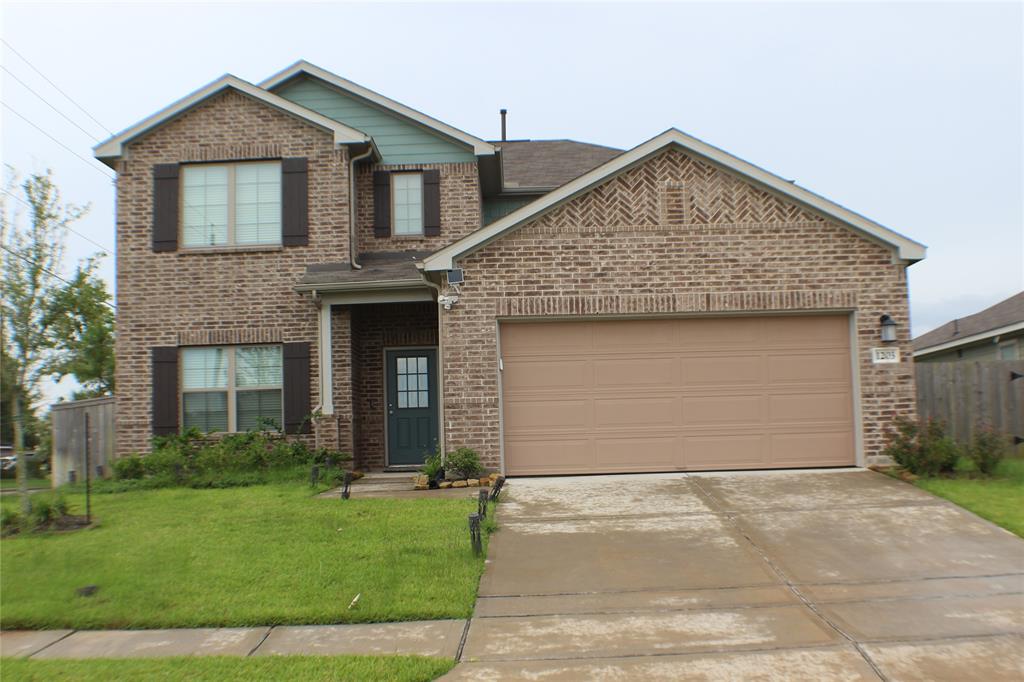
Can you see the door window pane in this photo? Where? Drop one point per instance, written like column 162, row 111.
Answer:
column 413, row 384
column 207, row 411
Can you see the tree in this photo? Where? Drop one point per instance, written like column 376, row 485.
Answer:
column 31, row 261
column 80, row 322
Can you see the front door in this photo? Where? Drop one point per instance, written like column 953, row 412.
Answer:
column 412, row 404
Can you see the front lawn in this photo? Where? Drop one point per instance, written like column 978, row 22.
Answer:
column 218, row 668
column 12, row 484
column 261, row 555
column 1000, row 499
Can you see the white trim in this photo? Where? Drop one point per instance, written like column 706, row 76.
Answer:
column 980, row 336
column 326, row 360
column 480, row 147
column 905, row 248
column 858, row 411
column 343, row 134
column 382, row 295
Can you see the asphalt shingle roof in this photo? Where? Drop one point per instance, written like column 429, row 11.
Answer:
column 377, row 267
column 1001, row 314
column 546, row 164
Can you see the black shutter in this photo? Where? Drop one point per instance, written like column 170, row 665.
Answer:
column 294, row 202
column 295, row 357
column 381, row 204
column 431, row 203
column 165, row 390
column 165, row 207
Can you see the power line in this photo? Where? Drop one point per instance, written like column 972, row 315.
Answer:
column 87, row 162
column 51, row 273
column 70, row 99
column 43, row 99
column 106, row 250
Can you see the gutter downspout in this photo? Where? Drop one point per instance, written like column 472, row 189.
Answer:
column 440, row 361
column 352, row 231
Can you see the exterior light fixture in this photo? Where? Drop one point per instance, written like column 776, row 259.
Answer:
column 346, row 490
column 474, row 534
column 888, row 328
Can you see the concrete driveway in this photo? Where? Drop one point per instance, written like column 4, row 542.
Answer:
column 837, row 575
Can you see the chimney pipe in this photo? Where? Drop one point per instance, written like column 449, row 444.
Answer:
column 503, row 113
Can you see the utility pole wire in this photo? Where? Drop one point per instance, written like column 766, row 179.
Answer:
column 49, row 272
column 85, row 160
column 44, row 101
column 70, row 99
column 106, row 251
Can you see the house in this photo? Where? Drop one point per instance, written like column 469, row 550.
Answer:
column 310, row 251
column 995, row 333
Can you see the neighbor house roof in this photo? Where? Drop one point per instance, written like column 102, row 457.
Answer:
column 546, row 164
column 480, row 147
column 905, row 248
column 113, row 148
column 1002, row 318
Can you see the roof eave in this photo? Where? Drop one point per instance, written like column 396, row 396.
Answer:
column 968, row 340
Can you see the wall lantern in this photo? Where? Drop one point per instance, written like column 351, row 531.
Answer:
column 888, row 328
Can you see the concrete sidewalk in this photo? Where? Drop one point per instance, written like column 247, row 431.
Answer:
column 841, row 575
column 439, row 638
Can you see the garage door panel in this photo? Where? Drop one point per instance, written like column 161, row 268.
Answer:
column 636, row 411
column 662, row 395
column 719, row 410
column 547, row 413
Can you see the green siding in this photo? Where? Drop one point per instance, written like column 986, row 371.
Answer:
column 398, row 139
column 500, row 207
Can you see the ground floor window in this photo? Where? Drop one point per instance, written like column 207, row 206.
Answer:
column 231, row 388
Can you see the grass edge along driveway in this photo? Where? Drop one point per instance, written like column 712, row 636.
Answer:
column 999, row 499
column 261, row 555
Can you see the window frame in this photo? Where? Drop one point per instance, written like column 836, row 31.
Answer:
column 1012, row 343
column 230, row 242
column 394, row 213
column 232, row 390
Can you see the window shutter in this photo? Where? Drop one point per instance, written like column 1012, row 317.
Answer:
column 295, row 359
column 381, row 204
column 294, row 202
column 165, row 207
column 431, row 203
column 165, row 390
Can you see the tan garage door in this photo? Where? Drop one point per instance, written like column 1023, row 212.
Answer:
column 664, row 395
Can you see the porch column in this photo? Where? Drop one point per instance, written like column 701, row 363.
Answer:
column 326, row 369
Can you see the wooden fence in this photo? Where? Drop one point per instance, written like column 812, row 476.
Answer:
column 68, row 424
column 964, row 394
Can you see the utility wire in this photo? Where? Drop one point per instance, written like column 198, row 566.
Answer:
column 49, row 272
column 85, row 160
column 69, row 229
column 70, row 99
column 66, row 117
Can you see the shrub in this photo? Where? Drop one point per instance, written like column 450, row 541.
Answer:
column 129, row 468
column 463, row 463
column 922, row 447
column 10, row 521
column 433, row 467
column 988, row 447
column 168, row 462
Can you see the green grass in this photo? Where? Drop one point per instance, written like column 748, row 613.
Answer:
column 261, row 555
column 11, row 484
column 1000, row 499
column 219, row 668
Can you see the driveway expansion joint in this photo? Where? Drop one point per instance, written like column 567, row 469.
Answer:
column 262, row 640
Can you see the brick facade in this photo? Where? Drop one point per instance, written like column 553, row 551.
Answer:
column 674, row 235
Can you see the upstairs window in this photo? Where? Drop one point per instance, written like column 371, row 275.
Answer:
column 235, row 204
column 231, row 388
column 407, row 203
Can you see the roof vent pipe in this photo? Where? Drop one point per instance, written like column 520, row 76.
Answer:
column 504, row 112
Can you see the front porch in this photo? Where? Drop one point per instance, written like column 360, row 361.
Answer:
column 380, row 375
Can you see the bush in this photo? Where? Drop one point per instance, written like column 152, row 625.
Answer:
column 433, row 467
column 922, row 447
column 988, row 447
column 10, row 521
column 463, row 463
column 129, row 468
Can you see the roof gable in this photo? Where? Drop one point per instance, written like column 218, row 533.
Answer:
column 904, row 248
column 113, row 148
column 479, row 147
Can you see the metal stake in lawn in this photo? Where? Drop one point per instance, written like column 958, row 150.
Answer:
column 88, row 473
column 474, row 534
column 345, row 492
column 481, row 503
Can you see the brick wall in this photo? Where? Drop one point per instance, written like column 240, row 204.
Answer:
column 673, row 235
column 166, row 299
column 374, row 328
column 460, row 207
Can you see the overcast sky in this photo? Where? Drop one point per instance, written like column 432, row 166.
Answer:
column 909, row 113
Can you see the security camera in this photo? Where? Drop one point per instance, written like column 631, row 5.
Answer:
column 447, row 301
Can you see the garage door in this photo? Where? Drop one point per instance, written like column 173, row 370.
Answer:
column 679, row 394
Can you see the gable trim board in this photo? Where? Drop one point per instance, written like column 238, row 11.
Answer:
column 973, row 338
column 480, row 147
column 904, row 248
column 113, row 148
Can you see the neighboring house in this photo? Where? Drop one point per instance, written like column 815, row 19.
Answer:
column 308, row 246
column 996, row 333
